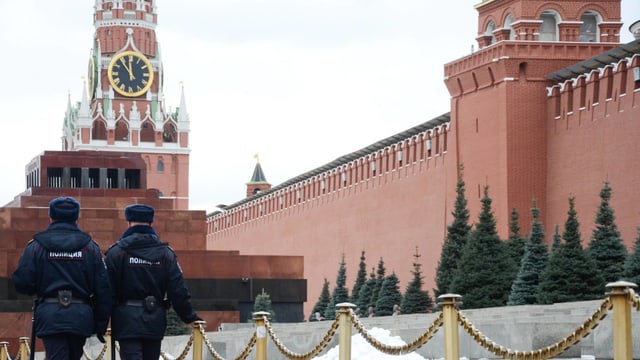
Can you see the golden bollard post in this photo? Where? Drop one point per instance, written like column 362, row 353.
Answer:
column 24, row 348
column 261, row 335
column 344, row 310
column 198, row 339
column 619, row 294
column 110, row 354
column 450, row 322
column 4, row 350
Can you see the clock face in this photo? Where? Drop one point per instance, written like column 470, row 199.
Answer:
column 91, row 77
column 130, row 73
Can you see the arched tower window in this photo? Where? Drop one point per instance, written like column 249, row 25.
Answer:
column 589, row 27
column 549, row 26
column 489, row 31
column 122, row 131
column 146, row 132
column 98, row 130
column 170, row 134
column 508, row 21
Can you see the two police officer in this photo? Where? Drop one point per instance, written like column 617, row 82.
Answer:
column 146, row 279
column 64, row 268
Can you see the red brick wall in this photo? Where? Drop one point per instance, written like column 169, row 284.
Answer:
column 387, row 216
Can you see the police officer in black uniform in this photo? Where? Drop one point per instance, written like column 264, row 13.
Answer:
column 63, row 266
column 146, row 280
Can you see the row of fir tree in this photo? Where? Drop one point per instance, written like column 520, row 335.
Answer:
column 488, row 271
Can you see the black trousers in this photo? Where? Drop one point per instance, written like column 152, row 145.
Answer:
column 139, row 349
column 63, row 346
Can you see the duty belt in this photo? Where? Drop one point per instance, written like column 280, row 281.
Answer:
column 56, row 300
column 150, row 303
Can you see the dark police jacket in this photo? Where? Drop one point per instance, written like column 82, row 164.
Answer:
column 140, row 266
column 64, row 258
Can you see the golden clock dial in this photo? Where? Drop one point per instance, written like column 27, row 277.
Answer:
column 130, row 73
column 91, row 78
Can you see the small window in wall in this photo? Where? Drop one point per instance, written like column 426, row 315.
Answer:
column 160, row 166
column 76, row 177
column 549, row 26
column 589, row 27
column 54, row 177
column 94, row 178
column 112, row 179
column 132, row 178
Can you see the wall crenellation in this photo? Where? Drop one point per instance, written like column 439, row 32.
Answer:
column 343, row 177
column 588, row 91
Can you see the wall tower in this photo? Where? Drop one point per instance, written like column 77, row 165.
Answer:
column 123, row 108
column 498, row 93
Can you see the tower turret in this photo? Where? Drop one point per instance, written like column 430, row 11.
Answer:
column 498, row 93
column 258, row 181
column 123, row 108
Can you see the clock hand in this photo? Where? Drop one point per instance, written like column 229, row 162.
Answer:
column 131, row 77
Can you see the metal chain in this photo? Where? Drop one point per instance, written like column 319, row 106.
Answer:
column 401, row 349
column 634, row 299
column 100, row 356
column 544, row 353
column 186, row 349
column 6, row 350
column 315, row 351
column 243, row 355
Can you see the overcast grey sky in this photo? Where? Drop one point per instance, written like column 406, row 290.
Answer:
column 298, row 82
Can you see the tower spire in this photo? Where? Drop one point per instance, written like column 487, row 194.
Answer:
column 258, row 181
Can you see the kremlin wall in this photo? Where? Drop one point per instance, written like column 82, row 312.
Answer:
column 532, row 119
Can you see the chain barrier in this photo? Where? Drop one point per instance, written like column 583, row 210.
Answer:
column 545, row 353
column 634, row 299
column 315, row 351
column 243, row 355
column 184, row 352
column 100, row 356
column 5, row 349
column 401, row 349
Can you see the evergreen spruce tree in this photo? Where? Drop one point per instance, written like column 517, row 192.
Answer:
column 416, row 300
column 323, row 301
column 175, row 326
column 263, row 303
column 365, row 294
column 571, row 274
column 536, row 256
column 484, row 271
column 361, row 278
column 632, row 265
column 389, row 295
column 516, row 242
column 380, row 275
column 457, row 235
column 606, row 246
column 340, row 293
column 557, row 239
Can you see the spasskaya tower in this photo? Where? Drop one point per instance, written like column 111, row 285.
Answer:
column 122, row 108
